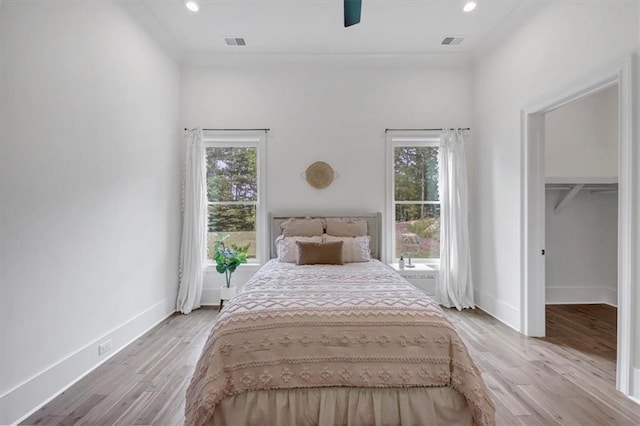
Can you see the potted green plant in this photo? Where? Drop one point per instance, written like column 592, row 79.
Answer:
column 227, row 260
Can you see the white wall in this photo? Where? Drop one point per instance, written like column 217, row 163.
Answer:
column 560, row 44
column 581, row 138
column 636, row 380
column 581, row 249
column 330, row 108
column 90, row 172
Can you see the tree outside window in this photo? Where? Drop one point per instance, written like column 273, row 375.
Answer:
column 417, row 198
column 232, row 194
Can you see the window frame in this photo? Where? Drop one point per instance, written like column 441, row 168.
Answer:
column 246, row 139
column 399, row 139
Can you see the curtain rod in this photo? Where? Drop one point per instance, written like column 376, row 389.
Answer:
column 422, row 130
column 234, row 130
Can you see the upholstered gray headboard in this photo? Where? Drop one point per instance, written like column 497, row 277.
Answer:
column 374, row 222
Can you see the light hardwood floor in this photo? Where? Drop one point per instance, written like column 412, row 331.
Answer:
column 566, row 378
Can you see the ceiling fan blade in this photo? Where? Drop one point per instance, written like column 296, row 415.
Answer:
column 352, row 9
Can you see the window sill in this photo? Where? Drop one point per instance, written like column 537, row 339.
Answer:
column 418, row 268
column 249, row 267
column 433, row 263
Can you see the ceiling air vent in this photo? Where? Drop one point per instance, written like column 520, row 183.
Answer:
column 452, row 41
column 235, row 41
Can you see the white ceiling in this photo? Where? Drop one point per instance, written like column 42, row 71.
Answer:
column 316, row 26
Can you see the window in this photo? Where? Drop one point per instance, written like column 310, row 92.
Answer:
column 413, row 196
column 235, row 189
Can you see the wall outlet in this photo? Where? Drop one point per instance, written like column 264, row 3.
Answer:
column 105, row 347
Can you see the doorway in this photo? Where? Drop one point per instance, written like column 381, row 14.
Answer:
column 533, row 291
column 581, row 227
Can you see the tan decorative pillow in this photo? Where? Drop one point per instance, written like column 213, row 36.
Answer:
column 287, row 248
column 346, row 228
column 302, row 227
column 319, row 253
column 354, row 249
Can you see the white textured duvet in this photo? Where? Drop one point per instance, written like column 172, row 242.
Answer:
column 357, row 325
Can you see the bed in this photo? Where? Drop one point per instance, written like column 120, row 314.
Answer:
column 335, row 344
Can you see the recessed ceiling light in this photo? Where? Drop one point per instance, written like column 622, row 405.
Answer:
column 192, row 5
column 469, row 6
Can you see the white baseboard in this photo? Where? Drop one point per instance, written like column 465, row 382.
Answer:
column 581, row 295
column 498, row 309
column 611, row 296
column 23, row 400
column 635, row 386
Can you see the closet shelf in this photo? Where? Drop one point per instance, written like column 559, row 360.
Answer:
column 573, row 185
column 581, row 180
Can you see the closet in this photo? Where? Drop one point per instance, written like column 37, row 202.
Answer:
column 581, row 165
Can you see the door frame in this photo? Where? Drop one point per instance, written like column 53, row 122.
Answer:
column 533, row 207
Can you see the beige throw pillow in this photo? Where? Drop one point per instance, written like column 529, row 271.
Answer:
column 319, row 253
column 346, row 227
column 302, row 227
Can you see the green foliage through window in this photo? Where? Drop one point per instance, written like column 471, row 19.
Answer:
column 416, row 173
column 232, row 174
column 417, row 205
column 232, row 192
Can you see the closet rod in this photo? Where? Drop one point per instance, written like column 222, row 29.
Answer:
column 422, row 130
column 234, row 130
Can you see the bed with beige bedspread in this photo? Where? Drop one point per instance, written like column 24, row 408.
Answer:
column 335, row 344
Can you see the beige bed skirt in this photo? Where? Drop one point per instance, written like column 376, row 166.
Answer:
column 345, row 406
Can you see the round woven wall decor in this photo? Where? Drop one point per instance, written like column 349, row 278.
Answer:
column 319, row 175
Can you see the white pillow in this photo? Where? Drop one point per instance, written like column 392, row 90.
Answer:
column 288, row 250
column 354, row 249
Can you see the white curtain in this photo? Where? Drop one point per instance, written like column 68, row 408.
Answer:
column 194, row 237
column 455, row 285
